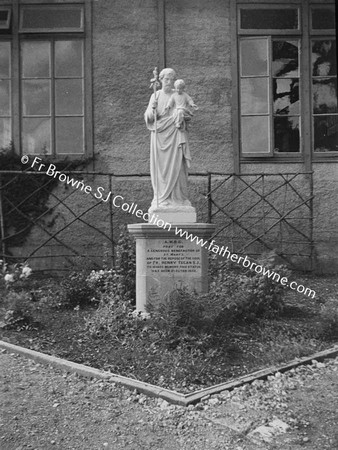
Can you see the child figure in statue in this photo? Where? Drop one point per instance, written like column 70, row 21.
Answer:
column 182, row 104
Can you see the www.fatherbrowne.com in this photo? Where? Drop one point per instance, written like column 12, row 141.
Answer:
column 245, row 261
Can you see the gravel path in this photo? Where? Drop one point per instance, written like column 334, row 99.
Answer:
column 43, row 408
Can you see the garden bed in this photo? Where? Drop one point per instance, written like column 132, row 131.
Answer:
column 137, row 350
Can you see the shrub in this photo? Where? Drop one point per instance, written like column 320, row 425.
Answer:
column 240, row 295
column 115, row 290
column 76, row 291
column 18, row 310
column 235, row 296
column 328, row 327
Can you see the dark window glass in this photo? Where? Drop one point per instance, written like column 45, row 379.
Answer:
column 324, row 57
column 285, row 59
column 286, row 96
column 5, row 17
column 326, row 133
column 286, row 130
column 324, row 95
column 51, row 18
column 323, row 18
column 269, row 19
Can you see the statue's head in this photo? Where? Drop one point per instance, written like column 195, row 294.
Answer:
column 169, row 73
column 179, row 86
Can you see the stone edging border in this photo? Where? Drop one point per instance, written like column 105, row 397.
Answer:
column 155, row 391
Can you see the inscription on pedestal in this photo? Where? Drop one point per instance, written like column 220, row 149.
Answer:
column 175, row 257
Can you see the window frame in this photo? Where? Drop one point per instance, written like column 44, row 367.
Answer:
column 306, row 154
column 16, row 36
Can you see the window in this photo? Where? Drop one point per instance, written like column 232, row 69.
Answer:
column 287, row 66
column 5, row 94
column 51, row 83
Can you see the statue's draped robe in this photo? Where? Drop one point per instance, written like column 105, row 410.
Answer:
column 169, row 156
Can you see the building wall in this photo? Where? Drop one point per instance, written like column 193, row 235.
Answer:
column 126, row 47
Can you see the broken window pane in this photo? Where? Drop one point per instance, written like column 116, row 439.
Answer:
column 326, row 133
column 287, row 136
column 254, row 57
column 286, row 96
column 324, row 58
column 255, row 134
column 254, row 95
column 324, row 95
column 285, row 59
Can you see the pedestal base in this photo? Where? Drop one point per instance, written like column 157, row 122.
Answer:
column 166, row 260
column 174, row 214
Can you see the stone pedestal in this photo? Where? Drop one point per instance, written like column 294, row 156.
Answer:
column 166, row 261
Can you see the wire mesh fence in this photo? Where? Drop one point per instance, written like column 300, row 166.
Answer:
column 48, row 220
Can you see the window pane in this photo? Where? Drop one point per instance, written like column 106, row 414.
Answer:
column 324, row 58
column 326, row 133
column 286, row 131
column 68, row 59
column 68, row 97
column 5, row 132
column 51, row 18
column 36, row 136
column 69, row 135
column 4, row 98
column 285, row 58
column 5, row 18
column 269, row 19
column 254, row 57
column 286, row 96
column 323, row 18
column 324, row 95
column 35, row 59
column 5, row 59
column 255, row 134
column 36, row 97
column 254, row 96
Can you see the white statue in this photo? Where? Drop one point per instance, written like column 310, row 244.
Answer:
column 169, row 149
column 183, row 105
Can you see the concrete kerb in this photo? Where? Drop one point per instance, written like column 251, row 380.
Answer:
column 155, row 391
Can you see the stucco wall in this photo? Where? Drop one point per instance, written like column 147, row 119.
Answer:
column 125, row 51
column 126, row 48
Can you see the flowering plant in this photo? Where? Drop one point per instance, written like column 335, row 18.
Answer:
column 11, row 274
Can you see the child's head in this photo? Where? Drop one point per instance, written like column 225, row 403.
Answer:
column 179, row 85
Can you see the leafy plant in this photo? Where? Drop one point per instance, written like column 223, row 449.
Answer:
column 329, row 319
column 18, row 310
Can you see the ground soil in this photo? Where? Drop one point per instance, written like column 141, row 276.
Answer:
column 247, row 348
column 43, row 408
